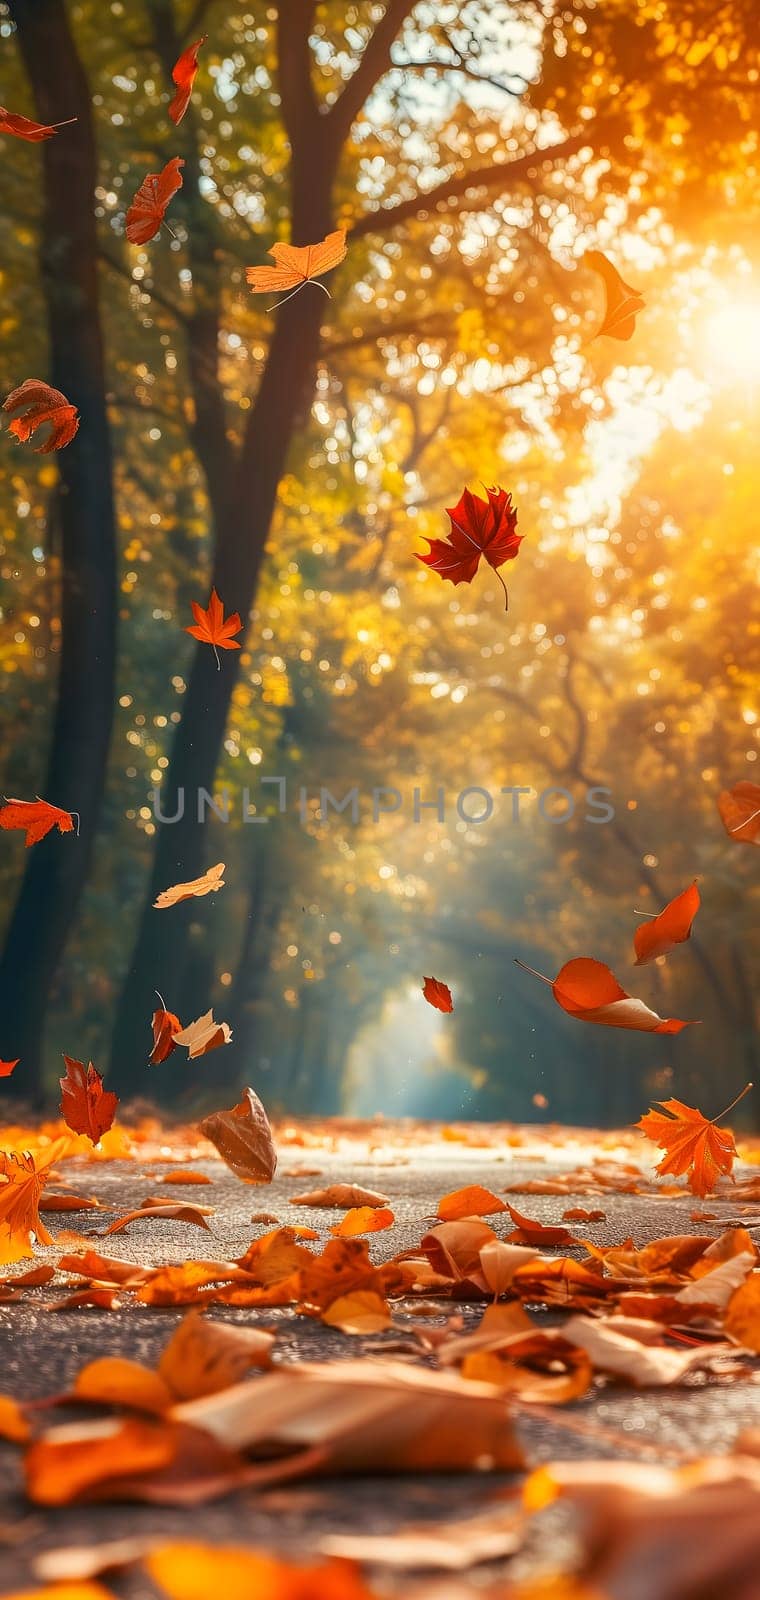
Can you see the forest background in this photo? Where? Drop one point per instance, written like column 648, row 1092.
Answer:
column 474, row 152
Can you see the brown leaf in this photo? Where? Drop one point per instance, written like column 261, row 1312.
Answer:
column 86, row 1107
column 170, row 1213
column 203, row 1357
column 363, row 1219
column 474, row 1201
column 243, row 1137
column 340, row 1196
column 208, row 883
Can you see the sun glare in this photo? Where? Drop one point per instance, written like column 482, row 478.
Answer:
column 733, row 339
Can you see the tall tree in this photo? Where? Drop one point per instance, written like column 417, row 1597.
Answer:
column 243, row 484
column 57, row 868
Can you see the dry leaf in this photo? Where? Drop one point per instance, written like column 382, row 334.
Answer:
column 86, row 1107
column 693, row 1145
column 208, row 883
column 363, row 1219
column 184, row 73
column 339, row 1196
column 13, row 1423
column 621, row 303
column 740, row 812
column 186, row 1571
column 36, row 818
column 148, row 209
column 437, row 993
column 243, row 1138
column 203, row 1035
column 203, row 1357
column 673, row 926
column 297, row 265
column 43, row 404
column 361, row 1312
column 589, row 991
column 212, row 627
column 474, row 1201
column 168, row 1213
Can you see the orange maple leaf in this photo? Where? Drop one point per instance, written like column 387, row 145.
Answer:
column 184, row 73
column 693, row 1146
column 86, row 1107
column 621, row 303
column 297, row 264
column 36, row 817
column 21, row 1185
column 42, row 404
column 212, row 627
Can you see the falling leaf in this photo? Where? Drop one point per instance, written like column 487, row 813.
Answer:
column 478, row 528
column 183, row 74
column 168, row 1213
column 19, row 1200
column 86, row 1107
column 474, row 1201
column 339, row 1196
column 437, row 994
column 36, row 817
column 621, row 303
column 361, row 1312
column 740, row 812
column 212, row 627
column 208, row 883
column 297, row 265
column 203, row 1357
column 203, row 1035
column 6, row 1067
column 23, row 128
column 148, row 208
column 672, row 926
column 588, row 990
column 42, row 404
column 165, row 1023
column 363, row 1219
column 243, row 1138
column 693, row 1145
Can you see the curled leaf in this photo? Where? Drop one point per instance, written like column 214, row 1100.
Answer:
column 43, row 404
column 243, row 1137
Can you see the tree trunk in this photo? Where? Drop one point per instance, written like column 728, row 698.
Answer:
column 56, row 869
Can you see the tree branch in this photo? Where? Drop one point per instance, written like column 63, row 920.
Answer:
column 372, row 67
column 488, row 178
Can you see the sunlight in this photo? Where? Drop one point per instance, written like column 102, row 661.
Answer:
column 733, row 339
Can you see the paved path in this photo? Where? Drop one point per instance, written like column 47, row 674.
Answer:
column 41, row 1352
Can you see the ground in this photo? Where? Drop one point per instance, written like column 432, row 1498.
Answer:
column 41, row 1351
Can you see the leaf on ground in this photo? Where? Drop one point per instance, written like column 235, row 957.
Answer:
column 13, row 1423
column 203, row 1357
column 69, row 1202
column 169, row 1213
column 364, row 1311
column 184, row 1175
column 103, row 1269
column 340, row 1195
column 158, row 1461
column 579, row 1214
column 473, row 1201
column 543, row 1235
column 646, row 1366
column 742, row 1319
column 452, row 1546
column 116, row 1381
column 243, row 1138
column 188, row 1571
column 365, row 1417
column 363, row 1219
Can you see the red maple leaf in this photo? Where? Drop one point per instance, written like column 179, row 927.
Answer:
column 36, row 817
column 478, row 528
column 212, row 627
column 86, row 1107
column 148, row 208
column 184, row 74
